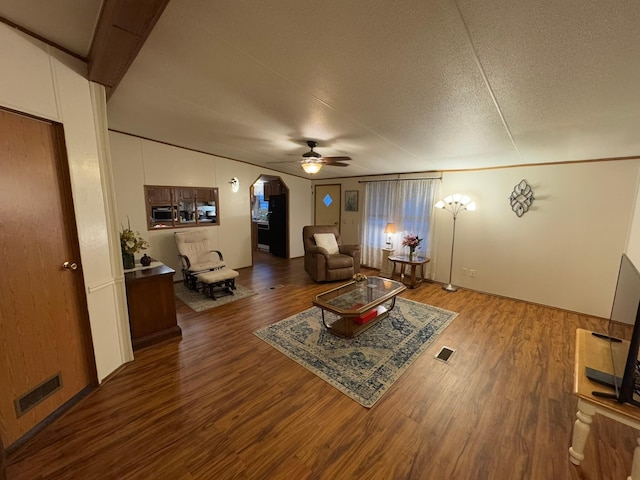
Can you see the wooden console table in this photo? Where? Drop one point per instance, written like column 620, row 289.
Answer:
column 596, row 353
column 152, row 306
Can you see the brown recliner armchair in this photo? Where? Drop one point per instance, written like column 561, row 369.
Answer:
column 332, row 261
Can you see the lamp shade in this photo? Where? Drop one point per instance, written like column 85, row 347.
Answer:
column 311, row 166
column 390, row 228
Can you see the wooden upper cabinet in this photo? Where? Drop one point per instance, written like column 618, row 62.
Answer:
column 276, row 187
column 158, row 195
column 176, row 207
column 273, row 187
column 205, row 195
column 188, row 194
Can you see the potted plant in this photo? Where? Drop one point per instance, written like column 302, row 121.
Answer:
column 131, row 242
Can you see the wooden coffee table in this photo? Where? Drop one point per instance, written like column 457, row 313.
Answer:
column 352, row 308
column 404, row 261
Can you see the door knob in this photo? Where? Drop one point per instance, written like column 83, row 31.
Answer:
column 70, row 265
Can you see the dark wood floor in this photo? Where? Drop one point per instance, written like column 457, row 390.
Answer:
column 222, row 404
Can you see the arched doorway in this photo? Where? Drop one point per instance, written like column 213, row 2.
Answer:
column 269, row 217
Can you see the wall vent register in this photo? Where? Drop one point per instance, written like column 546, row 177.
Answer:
column 37, row 394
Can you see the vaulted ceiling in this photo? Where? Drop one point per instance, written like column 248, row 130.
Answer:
column 408, row 86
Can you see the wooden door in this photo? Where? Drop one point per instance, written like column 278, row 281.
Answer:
column 327, row 205
column 44, row 328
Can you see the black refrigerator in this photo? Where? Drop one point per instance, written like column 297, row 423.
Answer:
column 278, row 225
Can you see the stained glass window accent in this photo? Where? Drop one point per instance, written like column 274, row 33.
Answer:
column 521, row 198
column 327, row 200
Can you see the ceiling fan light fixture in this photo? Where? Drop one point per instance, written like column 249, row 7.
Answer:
column 311, row 166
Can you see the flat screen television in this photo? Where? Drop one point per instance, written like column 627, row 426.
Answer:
column 625, row 309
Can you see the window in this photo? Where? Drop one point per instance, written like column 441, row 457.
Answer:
column 408, row 204
column 175, row 207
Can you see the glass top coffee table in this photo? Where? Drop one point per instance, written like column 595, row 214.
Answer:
column 350, row 309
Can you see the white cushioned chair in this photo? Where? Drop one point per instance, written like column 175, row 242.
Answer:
column 196, row 256
column 326, row 259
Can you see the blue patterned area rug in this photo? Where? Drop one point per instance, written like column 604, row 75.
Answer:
column 363, row 367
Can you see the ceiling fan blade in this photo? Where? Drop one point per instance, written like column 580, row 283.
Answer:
column 336, row 164
column 284, row 161
column 335, row 159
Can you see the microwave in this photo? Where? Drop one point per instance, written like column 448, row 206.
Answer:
column 163, row 214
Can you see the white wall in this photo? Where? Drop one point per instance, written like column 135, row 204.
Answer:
column 137, row 162
column 565, row 252
column 40, row 80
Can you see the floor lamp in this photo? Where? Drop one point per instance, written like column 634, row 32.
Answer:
column 455, row 204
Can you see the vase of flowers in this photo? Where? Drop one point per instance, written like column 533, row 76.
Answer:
column 412, row 241
column 360, row 279
column 130, row 243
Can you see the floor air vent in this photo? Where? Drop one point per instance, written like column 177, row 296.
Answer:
column 36, row 395
column 445, row 354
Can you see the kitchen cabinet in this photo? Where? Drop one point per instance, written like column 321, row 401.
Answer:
column 159, row 195
column 204, row 195
column 175, row 207
column 273, row 187
column 254, row 236
column 187, row 194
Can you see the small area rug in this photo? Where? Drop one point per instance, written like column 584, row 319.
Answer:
column 199, row 302
column 363, row 367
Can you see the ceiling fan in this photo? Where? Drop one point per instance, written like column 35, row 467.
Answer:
column 313, row 161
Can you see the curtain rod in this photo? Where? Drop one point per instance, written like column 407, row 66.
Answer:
column 401, row 179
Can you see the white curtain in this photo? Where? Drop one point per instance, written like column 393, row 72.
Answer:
column 406, row 203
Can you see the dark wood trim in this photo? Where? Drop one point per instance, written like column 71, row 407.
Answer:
column 50, row 419
column 122, row 29
column 209, row 153
column 180, row 146
column 560, row 162
column 42, row 39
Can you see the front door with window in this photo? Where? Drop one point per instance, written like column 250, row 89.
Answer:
column 327, row 205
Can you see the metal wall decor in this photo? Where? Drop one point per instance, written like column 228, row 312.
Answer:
column 521, row 198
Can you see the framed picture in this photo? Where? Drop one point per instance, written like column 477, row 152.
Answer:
column 351, row 200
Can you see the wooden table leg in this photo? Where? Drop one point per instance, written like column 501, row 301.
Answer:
column 635, row 466
column 413, row 275
column 581, row 430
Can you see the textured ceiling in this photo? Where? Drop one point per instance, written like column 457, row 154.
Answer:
column 400, row 87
